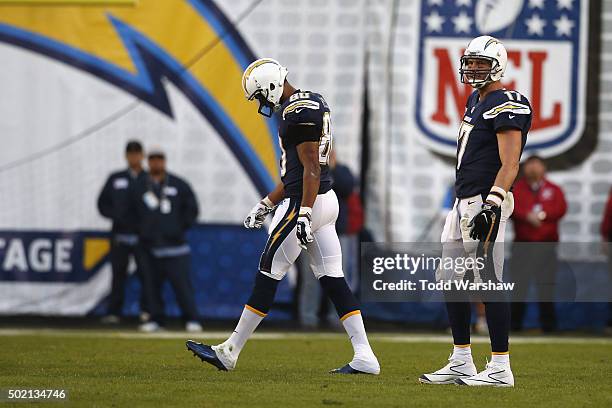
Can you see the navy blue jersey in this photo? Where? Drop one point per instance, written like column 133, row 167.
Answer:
column 304, row 117
column 477, row 152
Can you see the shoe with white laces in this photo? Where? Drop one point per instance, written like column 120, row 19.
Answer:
column 494, row 375
column 454, row 370
column 211, row 356
column 361, row 364
column 225, row 355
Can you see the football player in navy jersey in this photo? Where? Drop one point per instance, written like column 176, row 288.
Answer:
column 305, row 211
column 491, row 139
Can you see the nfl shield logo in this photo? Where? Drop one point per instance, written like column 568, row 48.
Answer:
column 547, row 43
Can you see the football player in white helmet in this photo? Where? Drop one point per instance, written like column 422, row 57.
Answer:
column 483, row 62
column 306, row 209
column 491, row 139
column 264, row 80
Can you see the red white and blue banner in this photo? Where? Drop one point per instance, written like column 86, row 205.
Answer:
column 547, row 44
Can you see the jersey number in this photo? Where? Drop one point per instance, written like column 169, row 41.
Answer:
column 299, row 95
column 325, row 145
column 513, row 95
column 283, row 160
column 464, row 135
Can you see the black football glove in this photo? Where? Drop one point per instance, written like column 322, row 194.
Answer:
column 485, row 224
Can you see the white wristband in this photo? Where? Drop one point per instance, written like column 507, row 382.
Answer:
column 267, row 202
column 496, row 196
column 306, row 211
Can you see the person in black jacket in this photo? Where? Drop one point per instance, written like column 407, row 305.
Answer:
column 113, row 203
column 164, row 207
column 344, row 186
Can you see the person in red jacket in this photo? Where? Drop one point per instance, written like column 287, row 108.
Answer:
column 606, row 237
column 606, row 223
column 539, row 206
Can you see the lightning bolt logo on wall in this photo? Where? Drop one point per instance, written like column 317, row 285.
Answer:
column 135, row 47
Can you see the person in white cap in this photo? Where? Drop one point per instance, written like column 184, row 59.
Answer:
column 164, row 207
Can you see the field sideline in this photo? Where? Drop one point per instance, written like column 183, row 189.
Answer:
column 297, row 335
column 125, row 368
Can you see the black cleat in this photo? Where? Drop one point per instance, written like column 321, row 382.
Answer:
column 347, row 369
column 205, row 353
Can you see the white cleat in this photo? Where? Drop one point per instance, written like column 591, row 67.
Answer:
column 454, row 370
column 366, row 364
column 193, row 327
column 224, row 354
column 494, row 375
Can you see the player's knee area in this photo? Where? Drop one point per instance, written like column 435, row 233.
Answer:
column 277, row 271
column 276, row 267
column 263, row 293
column 332, row 268
column 339, row 293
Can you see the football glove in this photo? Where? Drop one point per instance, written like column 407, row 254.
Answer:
column 485, row 224
column 304, row 227
column 258, row 214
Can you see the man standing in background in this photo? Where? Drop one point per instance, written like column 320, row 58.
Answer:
column 164, row 207
column 540, row 205
column 113, row 203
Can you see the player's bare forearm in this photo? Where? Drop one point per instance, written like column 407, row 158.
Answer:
column 278, row 194
column 308, row 153
column 506, row 176
column 311, row 182
column 509, row 144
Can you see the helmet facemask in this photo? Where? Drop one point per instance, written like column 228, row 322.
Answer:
column 263, row 81
column 266, row 107
column 478, row 78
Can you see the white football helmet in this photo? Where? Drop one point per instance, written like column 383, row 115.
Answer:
column 487, row 48
column 263, row 80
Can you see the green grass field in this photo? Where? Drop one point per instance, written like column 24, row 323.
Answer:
column 131, row 370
